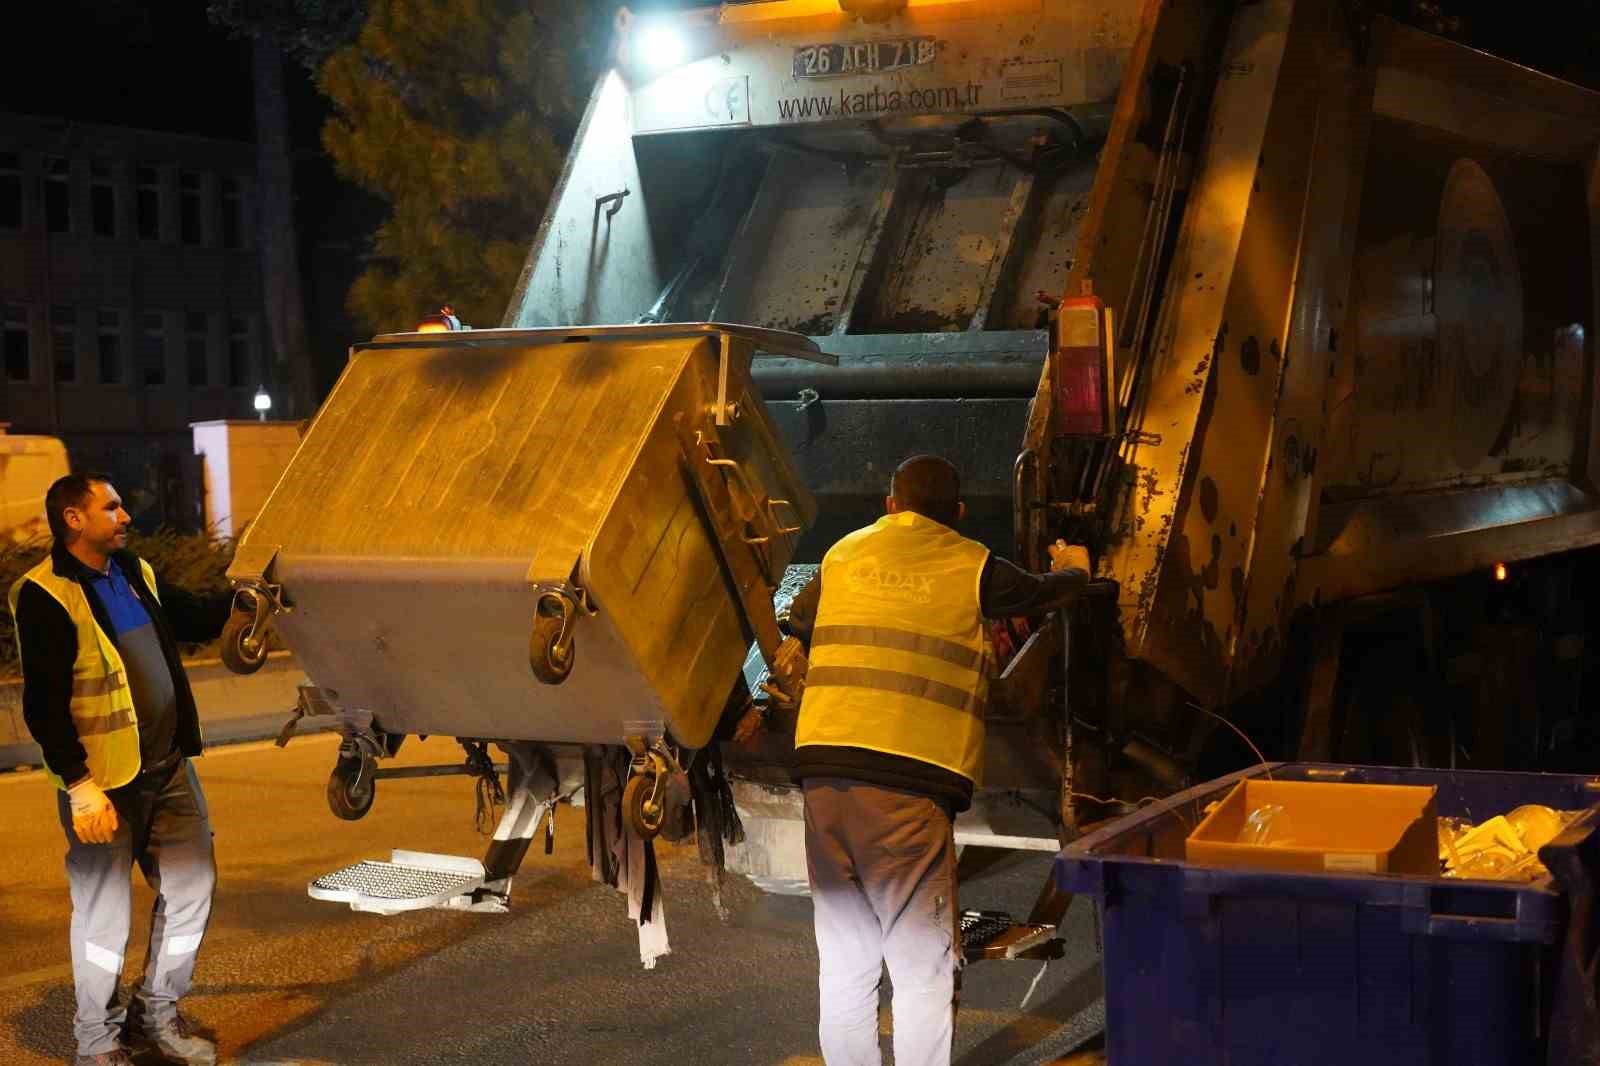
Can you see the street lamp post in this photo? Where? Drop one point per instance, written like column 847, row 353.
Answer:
column 263, row 403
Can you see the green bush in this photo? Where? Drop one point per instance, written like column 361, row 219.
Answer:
column 197, row 562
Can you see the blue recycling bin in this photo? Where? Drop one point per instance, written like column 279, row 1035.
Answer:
column 1210, row 966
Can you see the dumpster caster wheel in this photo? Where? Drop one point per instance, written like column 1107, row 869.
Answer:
column 551, row 662
column 642, row 807
column 243, row 650
column 352, row 788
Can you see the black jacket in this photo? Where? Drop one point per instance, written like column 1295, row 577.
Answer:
column 1004, row 591
column 49, row 643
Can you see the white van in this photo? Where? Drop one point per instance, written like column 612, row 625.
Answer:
column 28, row 465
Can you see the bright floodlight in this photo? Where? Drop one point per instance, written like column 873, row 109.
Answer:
column 660, row 47
column 263, row 403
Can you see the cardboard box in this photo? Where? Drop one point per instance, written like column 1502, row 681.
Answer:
column 1324, row 826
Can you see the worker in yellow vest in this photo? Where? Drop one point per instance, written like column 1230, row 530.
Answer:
column 105, row 696
column 888, row 747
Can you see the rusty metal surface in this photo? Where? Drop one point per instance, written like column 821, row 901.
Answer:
column 877, row 248
column 1369, row 366
column 1290, row 477
column 1171, row 557
column 1341, row 266
column 1048, row 256
column 1113, row 238
column 794, row 260
column 948, row 235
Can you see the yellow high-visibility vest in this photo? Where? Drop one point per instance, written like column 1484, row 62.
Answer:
column 899, row 654
column 102, row 700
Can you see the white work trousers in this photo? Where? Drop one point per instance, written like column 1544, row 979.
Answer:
column 882, row 864
column 178, row 863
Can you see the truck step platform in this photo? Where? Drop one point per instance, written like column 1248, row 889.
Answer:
column 410, row 881
column 994, row 935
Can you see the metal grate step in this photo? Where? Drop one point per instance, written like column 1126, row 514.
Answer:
column 994, row 935
column 409, row 881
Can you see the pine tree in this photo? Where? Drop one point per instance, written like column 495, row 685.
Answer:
column 458, row 113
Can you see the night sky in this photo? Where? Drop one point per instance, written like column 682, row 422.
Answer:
column 156, row 65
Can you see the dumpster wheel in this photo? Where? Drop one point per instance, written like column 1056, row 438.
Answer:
column 243, row 650
column 551, row 663
column 642, row 806
column 352, row 787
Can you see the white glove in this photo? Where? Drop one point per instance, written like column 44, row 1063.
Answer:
column 94, row 819
column 1064, row 556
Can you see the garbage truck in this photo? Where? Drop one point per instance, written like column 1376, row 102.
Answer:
column 1284, row 309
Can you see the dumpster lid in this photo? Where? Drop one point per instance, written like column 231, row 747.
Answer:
column 767, row 342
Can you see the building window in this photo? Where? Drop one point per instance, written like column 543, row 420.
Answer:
column 189, row 227
column 148, row 203
column 109, row 347
column 232, row 214
column 64, row 343
column 197, row 349
column 102, row 199
column 241, row 357
column 18, row 357
column 10, row 191
column 153, row 348
column 58, row 195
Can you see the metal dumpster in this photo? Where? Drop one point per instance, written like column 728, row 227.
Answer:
column 531, row 534
column 1219, row 965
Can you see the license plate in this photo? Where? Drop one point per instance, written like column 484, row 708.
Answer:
column 867, row 57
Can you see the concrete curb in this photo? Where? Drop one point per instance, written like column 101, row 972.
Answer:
column 233, row 709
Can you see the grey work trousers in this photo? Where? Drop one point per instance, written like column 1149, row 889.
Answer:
column 178, row 863
column 882, row 865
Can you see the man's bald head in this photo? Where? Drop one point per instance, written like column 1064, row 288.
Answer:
column 930, row 486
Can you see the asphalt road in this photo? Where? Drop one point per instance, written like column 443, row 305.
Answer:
column 286, row 979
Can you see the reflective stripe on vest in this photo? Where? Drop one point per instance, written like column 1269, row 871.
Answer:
column 899, row 655
column 102, row 702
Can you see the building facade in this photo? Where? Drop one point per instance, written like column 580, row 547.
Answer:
column 130, row 299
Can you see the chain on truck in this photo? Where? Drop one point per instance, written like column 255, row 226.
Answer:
column 1284, row 309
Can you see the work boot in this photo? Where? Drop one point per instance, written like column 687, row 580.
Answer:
column 118, row 1057
column 172, row 1039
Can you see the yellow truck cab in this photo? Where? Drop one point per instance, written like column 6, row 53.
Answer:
column 28, row 465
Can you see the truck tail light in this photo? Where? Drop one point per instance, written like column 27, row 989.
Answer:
column 1082, row 369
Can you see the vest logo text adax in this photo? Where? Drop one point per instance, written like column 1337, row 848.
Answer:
column 870, row 579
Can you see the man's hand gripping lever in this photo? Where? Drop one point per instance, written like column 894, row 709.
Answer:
column 785, row 685
column 1064, row 556
column 94, row 819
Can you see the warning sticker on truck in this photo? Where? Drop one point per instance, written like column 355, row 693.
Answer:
column 668, row 106
column 1030, row 79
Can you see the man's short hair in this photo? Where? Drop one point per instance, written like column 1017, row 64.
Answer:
column 74, row 490
column 930, row 486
